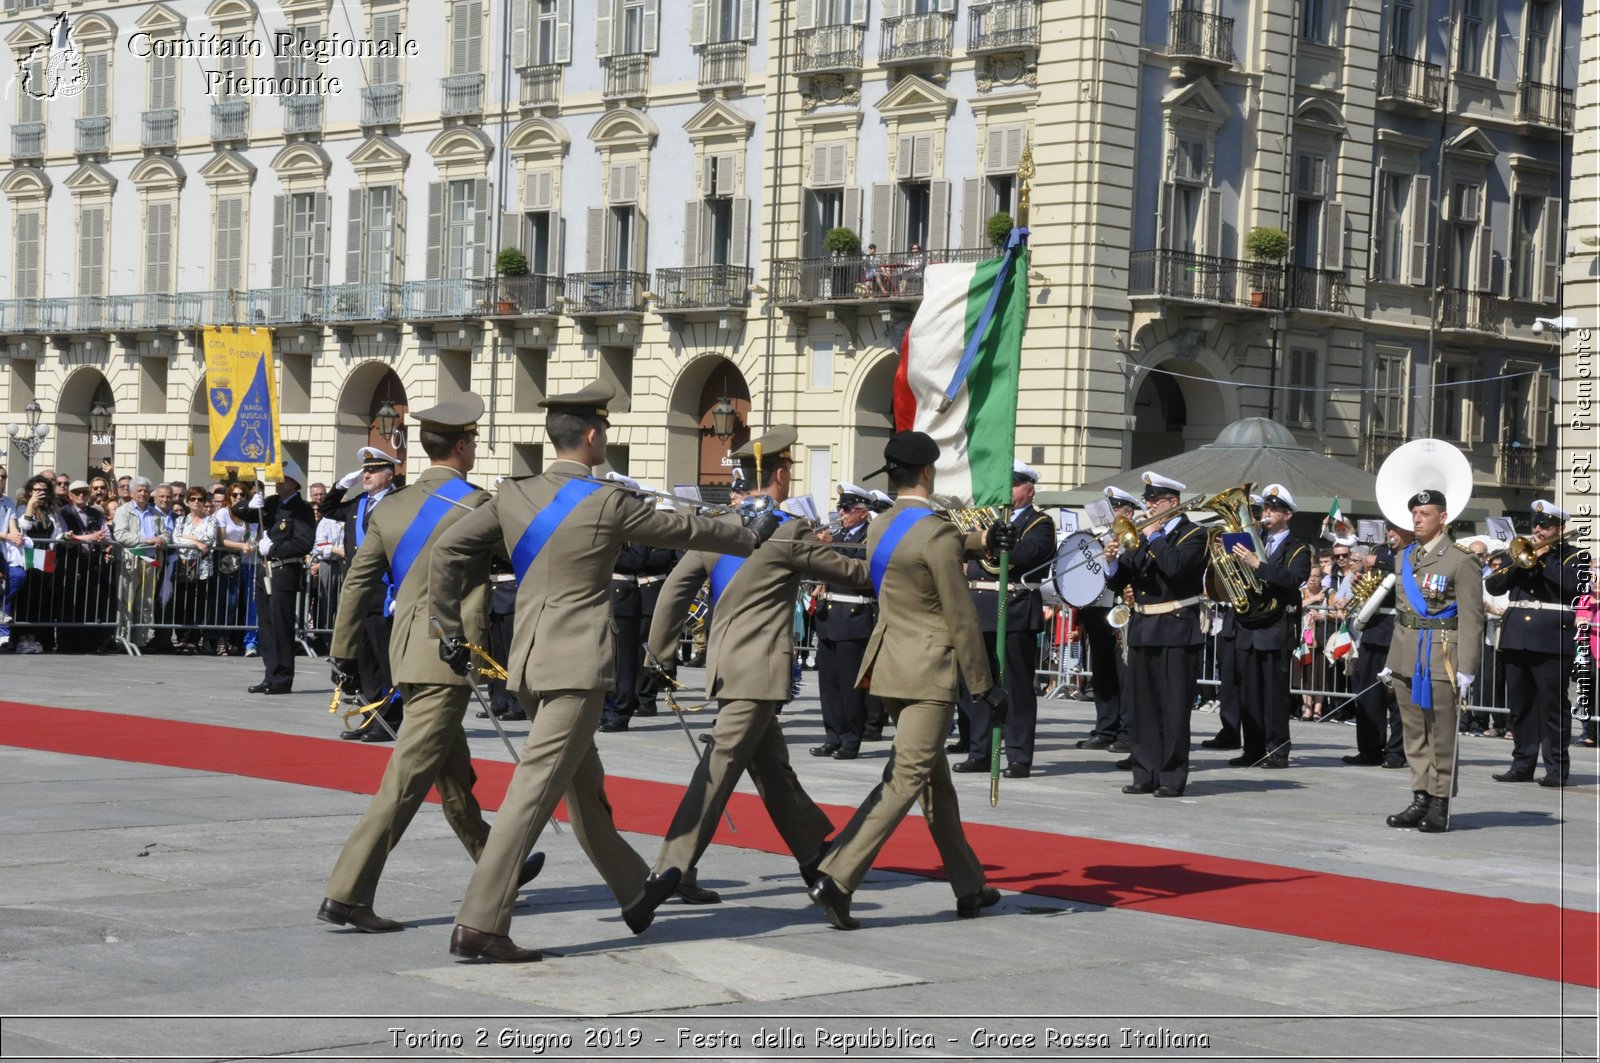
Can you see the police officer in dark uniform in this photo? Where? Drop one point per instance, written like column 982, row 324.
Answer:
column 288, row 531
column 1105, row 653
column 1536, row 640
column 1167, row 573
column 1266, row 633
column 1036, row 545
column 377, row 480
column 635, row 564
column 844, row 624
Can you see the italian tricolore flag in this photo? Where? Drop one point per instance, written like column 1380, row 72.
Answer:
column 43, row 559
column 957, row 379
column 1339, row 644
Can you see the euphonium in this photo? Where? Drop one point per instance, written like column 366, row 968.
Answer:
column 1231, row 581
column 979, row 518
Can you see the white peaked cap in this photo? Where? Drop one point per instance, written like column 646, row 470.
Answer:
column 1155, row 479
column 1546, row 506
column 1022, row 468
column 293, row 471
column 1117, row 494
column 1277, row 493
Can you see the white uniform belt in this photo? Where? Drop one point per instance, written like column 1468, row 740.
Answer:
column 1158, row 608
column 850, row 599
column 503, row 577
column 617, row 577
column 1556, row 607
column 992, row 585
column 645, row 581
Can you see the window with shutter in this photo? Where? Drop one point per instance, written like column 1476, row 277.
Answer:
column 563, row 35
column 91, row 250
column 650, row 32
column 972, row 216
column 227, row 269
column 605, row 27
column 28, row 226
column 480, row 259
column 1417, row 229
column 163, row 82
column 355, row 236
column 97, row 84
column 938, row 216
column 1549, row 289
column 386, row 68
column 538, row 190
column 466, row 37
column 1333, row 238
column 380, row 250
column 1539, row 409
column 158, row 248
column 280, row 239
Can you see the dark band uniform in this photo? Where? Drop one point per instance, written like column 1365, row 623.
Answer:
column 1107, row 670
column 1378, row 734
column 844, row 624
column 1536, row 647
column 288, row 522
column 1166, row 572
column 636, row 578
column 1264, row 642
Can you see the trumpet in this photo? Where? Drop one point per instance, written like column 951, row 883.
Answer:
column 1521, row 553
column 1127, row 532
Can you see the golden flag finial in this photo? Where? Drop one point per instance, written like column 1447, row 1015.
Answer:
column 1024, row 177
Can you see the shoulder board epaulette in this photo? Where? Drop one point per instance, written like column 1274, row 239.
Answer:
column 1465, row 550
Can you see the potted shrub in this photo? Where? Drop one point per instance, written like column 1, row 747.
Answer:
column 1265, row 243
column 841, row 242
column 510, row 262
column 998, row 229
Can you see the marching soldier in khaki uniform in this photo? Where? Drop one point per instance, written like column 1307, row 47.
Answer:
column 748, row 671
column 432, row 751
column 562, row 530
column 1438, row 639
column 926, row 642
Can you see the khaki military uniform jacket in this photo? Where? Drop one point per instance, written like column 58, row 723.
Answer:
column 927, row 638
column 1463, row 575
column 750, row 650
column 563, row 637
column 413, row 645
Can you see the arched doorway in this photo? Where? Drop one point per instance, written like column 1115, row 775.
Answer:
column 370, row 393
column 200, row 435
column 874, row 418
column 696, row 454
column 78, row 449
column 1174, row 412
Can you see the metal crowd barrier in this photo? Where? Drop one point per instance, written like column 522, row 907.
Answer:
column 70, row 601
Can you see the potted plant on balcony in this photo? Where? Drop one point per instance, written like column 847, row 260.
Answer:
column 510, row 262
column 998, row 229
column 841, row 242
column 1264, row 244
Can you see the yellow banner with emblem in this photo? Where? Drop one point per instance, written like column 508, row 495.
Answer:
column 242, row 400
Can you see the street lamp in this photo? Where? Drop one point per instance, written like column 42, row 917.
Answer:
column 29, row 440
column 388, row 418
column 100, row 419
column 724, row 418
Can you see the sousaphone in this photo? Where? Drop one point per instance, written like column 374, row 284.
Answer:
column 1423, row 465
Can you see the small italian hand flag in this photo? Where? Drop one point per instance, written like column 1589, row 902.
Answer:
column 39, row 558
column 1339, row 645
column 144, row 554
column 1336, row 520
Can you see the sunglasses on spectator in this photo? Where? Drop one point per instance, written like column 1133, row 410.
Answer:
column 63, row 482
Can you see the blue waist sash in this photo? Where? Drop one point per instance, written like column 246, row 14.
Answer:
column 1422, row 676
column 892, row 536
column 548, row 520
column 423, row 525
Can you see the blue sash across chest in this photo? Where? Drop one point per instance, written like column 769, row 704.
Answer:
column 1422, row 677
column 727, row 567
column 547, row 521
column 892, row 537
column 422, row 527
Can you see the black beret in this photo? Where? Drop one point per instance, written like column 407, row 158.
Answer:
column 1426, row 497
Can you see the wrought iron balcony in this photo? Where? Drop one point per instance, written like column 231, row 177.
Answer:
column 1460, row 308
column 84, row 313
column 627, row 76
column 381, row 105
column 1545, row 105
column 1200, row 35
column 1402, row 79
column 722, row 65
column 444, row 297
column 461, row 96
column 94, row 135
column 1376, row 446
column 153, row 310
column 1522, row 465
column 1316, row 289
column 302, row 115
column 1189, row 277
column 532, row 295
column 219, row 306
column 916, row 38
column 1003, row 26
column 861, row 278
column 230, row 121
column 347, row 303
column 160, row 130
column 541, row 85
column 702, row 288
column 617, row 291
column 21, row 315
column 830, row 49
column 27, row 142
column 293, row 305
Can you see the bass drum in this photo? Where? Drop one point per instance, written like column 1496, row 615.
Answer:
column 1080, row 569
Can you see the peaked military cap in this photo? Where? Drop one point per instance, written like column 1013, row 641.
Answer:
column 1547, row 512
column 1279, row 496
column 458, row 413
column 374, row 460
column 591, row 400
column 775, row 444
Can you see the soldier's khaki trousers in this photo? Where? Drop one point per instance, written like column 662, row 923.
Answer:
column 917, row 771
column 432, row 752
column 1430, row 737
column 559, row 761
column 746, row 737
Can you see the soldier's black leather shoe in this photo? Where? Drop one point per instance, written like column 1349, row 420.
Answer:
column 1512, row 775
column 1437, row 821
column 827, row 895
column 691, row 892
column 971, row 905
column 826, row 749
column 359, row 916
column 530, row 869
column 970, row 766
column 1413, row 813
column 496, row 948
column 657, row 888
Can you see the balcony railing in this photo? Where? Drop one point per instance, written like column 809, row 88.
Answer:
column 608, row 292
column 1407, row 80
column 284, row 306
column 154, row 310
column 444, row 297
column 530, row 295
column 94, row 135
column 27, row 142
column 1004, row 26
column 703, row 288
column 160, row 129
column 1316, row 289
column 302, row 115
column 461, row 95
column 219, row 306
column 830, row 49
column 1460, row 308
column 1206, row 279
column 1520, row 465
column 230, row 121
column 722, row 64
column 380, row 105
column 1376, row 446
column 862, row 278
column 362, row 302
column 627, row 76
column 541, row 85
column 911, row 38
column 1200, row 35
column 1546, row 105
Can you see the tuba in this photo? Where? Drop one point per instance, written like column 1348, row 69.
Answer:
column 979, row 518
column 1423, row 464
column 1227, row 579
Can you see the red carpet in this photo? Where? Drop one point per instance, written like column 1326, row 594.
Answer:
column 1538, row 940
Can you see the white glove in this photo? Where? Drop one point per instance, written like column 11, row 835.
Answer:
column 264, row 547
column 257, row 500
column 1386, row 676
column 350, row 480
column 1463, row 684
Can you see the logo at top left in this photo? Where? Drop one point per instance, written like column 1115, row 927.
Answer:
column 54, row 70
